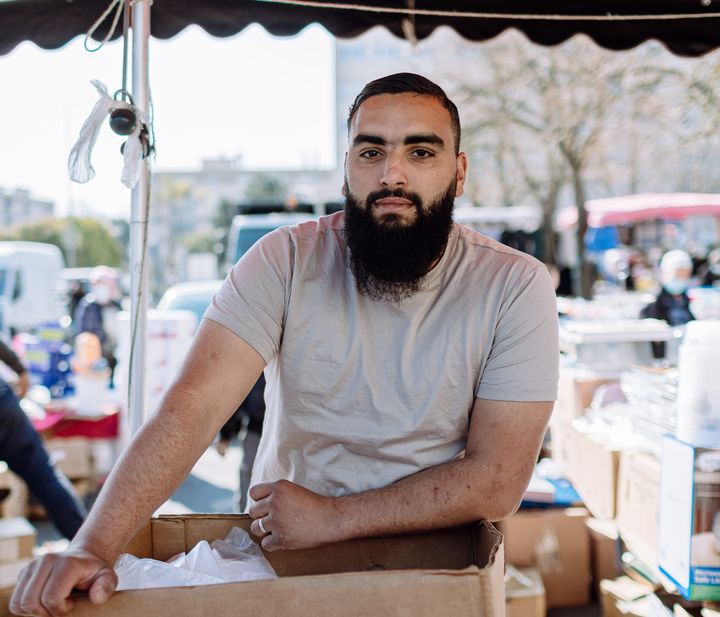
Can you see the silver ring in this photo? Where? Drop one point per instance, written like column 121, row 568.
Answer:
column 262, row 527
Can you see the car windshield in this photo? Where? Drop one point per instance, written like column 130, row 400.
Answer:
column 195, row 304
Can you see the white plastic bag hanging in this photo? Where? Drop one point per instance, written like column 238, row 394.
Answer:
column 79, row 161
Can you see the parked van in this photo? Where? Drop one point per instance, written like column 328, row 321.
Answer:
column 30, row 285
column 247, row 229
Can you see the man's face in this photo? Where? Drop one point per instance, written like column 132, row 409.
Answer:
column 401, row 144
column 402, row 177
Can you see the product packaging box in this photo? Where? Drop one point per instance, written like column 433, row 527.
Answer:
column 690, row 519
column 638, row 504
column 605, row 550
column 593, row 466
column 556, row 542
column 17, row 539
column 455, row 572
column 524, row 593
column 72, row 456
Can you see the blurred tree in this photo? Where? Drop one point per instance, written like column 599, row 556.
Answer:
column 540, row 121
column 264, row 188
column 199, row 242
column 84, row 242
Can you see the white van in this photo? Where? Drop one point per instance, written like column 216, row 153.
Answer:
column 30, row 285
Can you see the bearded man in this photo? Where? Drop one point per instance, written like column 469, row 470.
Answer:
column 411, row 364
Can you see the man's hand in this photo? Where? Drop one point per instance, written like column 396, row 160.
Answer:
column 45, row 585
column 292, row 516
column 22, row 385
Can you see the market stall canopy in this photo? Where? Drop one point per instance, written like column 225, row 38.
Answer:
column 686, row 27
column 632, row 208
column 668, row 206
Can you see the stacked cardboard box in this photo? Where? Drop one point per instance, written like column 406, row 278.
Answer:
column 16, row 495
column 524, row 593
column 17, row 539
column 556, row 542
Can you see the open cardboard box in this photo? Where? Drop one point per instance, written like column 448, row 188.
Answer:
column 455, row 572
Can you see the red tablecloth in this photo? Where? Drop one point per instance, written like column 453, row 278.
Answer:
column 62, row 422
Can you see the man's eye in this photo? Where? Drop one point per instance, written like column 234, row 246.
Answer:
column 369, row 154
column 421, row 153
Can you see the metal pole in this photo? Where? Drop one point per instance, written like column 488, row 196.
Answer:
column 138, row 225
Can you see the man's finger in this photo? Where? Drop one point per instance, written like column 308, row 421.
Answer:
column 29, row 602
column 260, row 531
column 259, row 508
column 103, row 586
column 270, row 543
column 23, row 579
column 260, row 491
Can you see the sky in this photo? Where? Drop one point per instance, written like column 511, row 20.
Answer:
column 270, row 100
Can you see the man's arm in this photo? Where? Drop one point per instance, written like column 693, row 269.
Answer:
column 488, row 483
column 218, row 373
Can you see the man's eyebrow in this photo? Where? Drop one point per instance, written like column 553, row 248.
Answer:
column 429, row 138
column 422, row 138
column 364, row 138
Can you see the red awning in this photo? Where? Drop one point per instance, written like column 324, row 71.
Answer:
column 633, row 208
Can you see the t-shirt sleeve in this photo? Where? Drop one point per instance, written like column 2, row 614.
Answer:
column 524, row 358
column 252, row 300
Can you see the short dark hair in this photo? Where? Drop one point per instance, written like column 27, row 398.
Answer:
column 402, row 83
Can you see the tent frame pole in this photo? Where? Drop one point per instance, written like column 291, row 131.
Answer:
column 138, row 225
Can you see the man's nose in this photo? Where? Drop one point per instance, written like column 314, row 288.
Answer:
column 394, row 173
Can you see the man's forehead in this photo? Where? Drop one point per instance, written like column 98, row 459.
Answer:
column 401, row 114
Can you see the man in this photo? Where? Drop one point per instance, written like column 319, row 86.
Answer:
column 24, row 453
column 392, row 341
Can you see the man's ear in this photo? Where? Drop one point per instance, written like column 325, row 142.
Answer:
column 344, row 186
column 460, row 174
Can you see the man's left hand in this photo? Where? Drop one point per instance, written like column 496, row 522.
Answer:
column 292, row 517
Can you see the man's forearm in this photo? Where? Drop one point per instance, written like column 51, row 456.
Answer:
column 451, row 494
column 150, row 470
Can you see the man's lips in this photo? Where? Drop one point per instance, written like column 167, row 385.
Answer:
column 393, row 203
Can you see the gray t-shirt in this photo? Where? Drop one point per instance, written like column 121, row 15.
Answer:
column 362, row 393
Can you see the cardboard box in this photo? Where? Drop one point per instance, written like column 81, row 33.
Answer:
column 524, row 593
column 17, row 539
column 15, row 502
column 690, row 519
column 593, row 468
column 576, row 389
column 556, row 542
column 72, row 456
column 455, row 572
column 605, row 550
column 638, row 504
column 622, row 591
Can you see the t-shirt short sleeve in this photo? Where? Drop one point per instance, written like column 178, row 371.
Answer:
column 523, row 362
column 252, row 300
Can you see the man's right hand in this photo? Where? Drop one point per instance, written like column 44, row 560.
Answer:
column 45, row 585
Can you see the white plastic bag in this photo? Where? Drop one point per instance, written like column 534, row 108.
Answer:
column 79, row 163
column 236, row 558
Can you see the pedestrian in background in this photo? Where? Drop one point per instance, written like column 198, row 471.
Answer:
column 25, row 455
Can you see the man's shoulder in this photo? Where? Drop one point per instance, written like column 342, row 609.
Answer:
column 314, row 228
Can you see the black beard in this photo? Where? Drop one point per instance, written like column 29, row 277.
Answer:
column 388, row 258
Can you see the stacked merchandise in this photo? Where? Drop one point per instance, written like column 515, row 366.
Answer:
column 47, row 357
column 652, row 401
